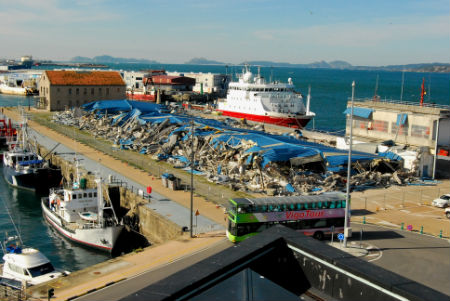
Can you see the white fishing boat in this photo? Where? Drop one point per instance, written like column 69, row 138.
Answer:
column 82, row 215
column 252, row 98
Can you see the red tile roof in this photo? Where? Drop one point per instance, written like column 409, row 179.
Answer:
column 85, row 78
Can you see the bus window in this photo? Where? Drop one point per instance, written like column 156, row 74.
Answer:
column 305, row 205
column 319, row 205
column 321, row 223
column 299, row 206
column 332, row 205
column 292, row 207
column 270, row 208
column 325, row 205
column 264, row 208
column 284, row 207
column 343, row 204
column 313, row 205
column 338, row 204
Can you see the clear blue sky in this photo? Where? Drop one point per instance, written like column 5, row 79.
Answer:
column 361, row 32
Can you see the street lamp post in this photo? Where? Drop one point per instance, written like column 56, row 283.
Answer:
column 192, row 178
column 347, row 229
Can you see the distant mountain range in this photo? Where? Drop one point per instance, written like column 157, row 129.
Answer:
column 106, row 59
column 426, row 67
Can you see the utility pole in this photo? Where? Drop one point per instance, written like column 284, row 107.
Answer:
column 192, row 178
column 347, row 229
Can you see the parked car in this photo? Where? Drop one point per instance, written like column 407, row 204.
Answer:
column 442, row 202
column 447, row 212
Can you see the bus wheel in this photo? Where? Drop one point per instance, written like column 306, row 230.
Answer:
column 318, row 235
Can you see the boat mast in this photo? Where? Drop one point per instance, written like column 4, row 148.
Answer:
column 403, row 82
column 308, row 99
column 98, row 180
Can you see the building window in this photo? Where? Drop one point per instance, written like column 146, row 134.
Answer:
column 77, row 91
column 118, row 89
column 58, row 90
column 70, row 91
column 92, row 91
column 420, row 131
column 403, row 130
column 100, row 91
column 107, row 91
column 85, row 91
column 361, row 124
column 380, row 126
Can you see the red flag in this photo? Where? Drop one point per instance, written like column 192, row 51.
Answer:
column 423, row 92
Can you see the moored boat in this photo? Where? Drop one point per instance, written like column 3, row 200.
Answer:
column 252, row 98
column 81, row 215
column 24, row 168
column 29, row 265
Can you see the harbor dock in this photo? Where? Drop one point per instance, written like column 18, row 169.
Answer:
column 394, row 207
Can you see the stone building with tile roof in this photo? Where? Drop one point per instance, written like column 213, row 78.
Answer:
column 59, row 90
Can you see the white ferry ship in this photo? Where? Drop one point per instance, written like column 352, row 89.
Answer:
column 254, row 99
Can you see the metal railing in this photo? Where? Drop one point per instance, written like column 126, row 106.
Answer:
column 399, row 102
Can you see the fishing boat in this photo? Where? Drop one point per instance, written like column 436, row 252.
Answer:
column 252, row 98
column 82, row 215
column 24, row 168
column 7, row 132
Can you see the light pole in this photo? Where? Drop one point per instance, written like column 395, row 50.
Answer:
column 192, row 177
column 347, row 229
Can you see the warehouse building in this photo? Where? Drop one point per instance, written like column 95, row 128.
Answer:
column 59, row 90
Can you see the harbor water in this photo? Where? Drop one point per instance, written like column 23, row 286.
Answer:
column 330, row 90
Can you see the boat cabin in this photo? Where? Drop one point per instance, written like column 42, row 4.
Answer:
column 28, row 265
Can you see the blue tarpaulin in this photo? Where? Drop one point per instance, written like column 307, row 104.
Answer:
column 401, row 118
column 360, row 112
column 289, row 188
column 25, row 163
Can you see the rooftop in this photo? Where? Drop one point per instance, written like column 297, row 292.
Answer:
column 85, row 78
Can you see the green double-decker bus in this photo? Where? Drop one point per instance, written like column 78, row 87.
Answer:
column 316, row 215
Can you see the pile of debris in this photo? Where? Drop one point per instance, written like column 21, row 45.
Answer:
column 243, row 159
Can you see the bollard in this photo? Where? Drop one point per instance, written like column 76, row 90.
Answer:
column 440, row 234
column 402, row 227
column 364, row 219
column 421, row 229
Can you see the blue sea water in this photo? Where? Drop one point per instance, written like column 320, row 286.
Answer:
column 330, row 91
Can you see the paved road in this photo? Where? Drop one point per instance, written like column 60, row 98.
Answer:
column 421, row 258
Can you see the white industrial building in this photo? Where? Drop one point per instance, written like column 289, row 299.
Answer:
column 425, row 128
